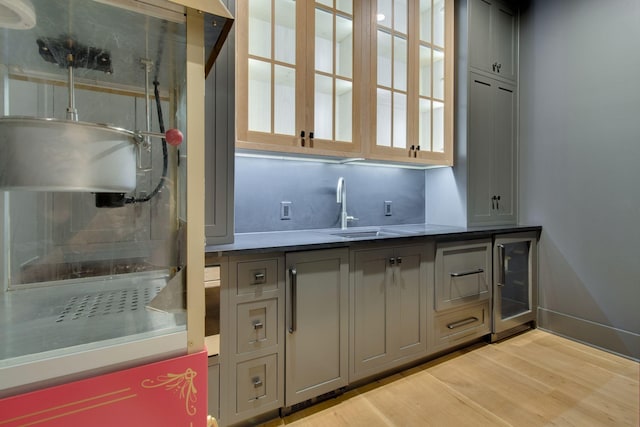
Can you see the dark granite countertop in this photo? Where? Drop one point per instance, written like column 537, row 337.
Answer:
column 286, row 241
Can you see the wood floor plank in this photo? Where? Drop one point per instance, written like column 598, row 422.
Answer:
column 419, row 400
column 533, row 379
column 607, row 400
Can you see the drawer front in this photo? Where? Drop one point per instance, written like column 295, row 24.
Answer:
column 257, row 325
column 466, row 323
column 212, row 273
column 463, row 273
column 257, row 383
column 256, row 277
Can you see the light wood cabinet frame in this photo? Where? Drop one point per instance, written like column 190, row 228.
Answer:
column 304, row 87
column 364, row 89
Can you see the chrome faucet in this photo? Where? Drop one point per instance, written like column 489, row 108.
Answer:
column 341, row 197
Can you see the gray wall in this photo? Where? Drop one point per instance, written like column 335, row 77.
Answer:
column 579, row 171
column 261, row 184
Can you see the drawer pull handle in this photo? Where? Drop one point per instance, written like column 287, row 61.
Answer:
column 293, row 292
column 258, row 278
column 457, row 324
column 501, row 264
column 257, row 382
column 468, row 273
column 258, row 325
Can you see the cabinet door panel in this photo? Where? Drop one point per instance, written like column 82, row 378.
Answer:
column 504, row 180
column 388, row 308
column 411, row 330
column 479, row 34
column 480, row 148
column 316, row 346
column 370, row 301
column 505, row 41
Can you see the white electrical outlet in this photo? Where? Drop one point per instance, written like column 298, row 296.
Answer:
column 285, row 210
column 387, row 208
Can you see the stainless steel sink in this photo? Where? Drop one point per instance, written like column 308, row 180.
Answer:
column 360, row 234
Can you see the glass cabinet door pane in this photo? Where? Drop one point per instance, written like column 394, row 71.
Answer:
column 344, row 47
column 425, row 124
column 438, row 22
column 425, row 21
column 399, row 120
column 514, row 295
column 328, row 3
column 425, row 71
column 384, row 13
column 324, row 41
column 438, row 74
column 438, row 127
column 400, row 63
column 323, row 111
column 260, row 28
column 285, row 32
column 260, row 95
column 284, row 100
column 345, row 6
column 344, row 108
column 400, row 12
column 384, row 58
column 383, row 118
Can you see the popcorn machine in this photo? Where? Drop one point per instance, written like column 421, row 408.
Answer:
column 101, row 201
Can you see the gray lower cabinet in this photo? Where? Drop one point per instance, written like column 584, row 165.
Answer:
column 316, row 323
column 462, row 293
column 388, row 300
column 252, row 337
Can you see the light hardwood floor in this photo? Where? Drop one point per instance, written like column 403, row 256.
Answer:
column 532, row 379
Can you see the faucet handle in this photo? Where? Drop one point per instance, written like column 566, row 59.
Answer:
column 352, row 218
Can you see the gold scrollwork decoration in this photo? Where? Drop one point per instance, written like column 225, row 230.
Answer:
column 178, row 383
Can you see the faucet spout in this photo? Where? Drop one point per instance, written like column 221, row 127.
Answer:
column 341, row 197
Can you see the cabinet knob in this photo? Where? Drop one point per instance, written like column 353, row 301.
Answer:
column 302, row 138
column 258, row 277
column 392, row 261
column 257, row 324
column 257, row 382
column 399, row 260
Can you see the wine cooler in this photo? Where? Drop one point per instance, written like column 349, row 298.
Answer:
column 514, row 283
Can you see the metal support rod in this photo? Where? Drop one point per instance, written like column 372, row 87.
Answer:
column 72, row 113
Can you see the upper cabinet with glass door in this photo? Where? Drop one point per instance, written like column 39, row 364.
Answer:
column 412, row 89
column 296, row 68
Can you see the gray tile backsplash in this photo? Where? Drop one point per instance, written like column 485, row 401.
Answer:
column 262, row 184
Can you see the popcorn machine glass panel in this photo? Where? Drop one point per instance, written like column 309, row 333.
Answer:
column 87, row 264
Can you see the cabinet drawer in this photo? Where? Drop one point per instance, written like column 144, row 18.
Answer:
column 463, row 273
column 257, row 325
column 459, row 324
column 255, row 277
column 257, row 383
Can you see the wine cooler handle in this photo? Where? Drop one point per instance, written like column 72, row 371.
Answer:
column 501, row 272
column 294, row 289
